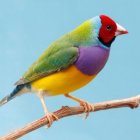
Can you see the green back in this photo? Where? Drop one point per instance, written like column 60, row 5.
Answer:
column 60, row 54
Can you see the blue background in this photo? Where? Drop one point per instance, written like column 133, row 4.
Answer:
column 27, row 27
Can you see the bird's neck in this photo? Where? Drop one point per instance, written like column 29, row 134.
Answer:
column 83, row 35
column 104, row 44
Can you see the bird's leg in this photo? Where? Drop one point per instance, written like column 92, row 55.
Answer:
column 87, row 106
column 49, row 116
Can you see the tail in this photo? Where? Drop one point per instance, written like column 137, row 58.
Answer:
column 20, row 89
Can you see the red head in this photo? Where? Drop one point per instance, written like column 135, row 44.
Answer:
column 109, row 30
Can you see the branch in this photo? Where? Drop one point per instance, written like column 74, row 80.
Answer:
column 65, row 111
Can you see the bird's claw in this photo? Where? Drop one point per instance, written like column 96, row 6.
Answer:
column 88, row 107
column 51, row 117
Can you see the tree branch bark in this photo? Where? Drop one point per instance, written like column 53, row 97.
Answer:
column 65, row 111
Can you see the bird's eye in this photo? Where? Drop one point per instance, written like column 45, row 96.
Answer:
column 108, row 27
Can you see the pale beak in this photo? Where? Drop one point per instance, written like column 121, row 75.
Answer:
column 120, row 30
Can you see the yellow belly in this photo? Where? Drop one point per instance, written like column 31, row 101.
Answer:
column 62, row 82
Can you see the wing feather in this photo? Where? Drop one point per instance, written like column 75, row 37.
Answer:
column 55, row 58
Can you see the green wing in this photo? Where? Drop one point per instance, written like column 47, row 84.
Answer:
column 57, row 57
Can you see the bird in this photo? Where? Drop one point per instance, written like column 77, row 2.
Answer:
column 69, row 63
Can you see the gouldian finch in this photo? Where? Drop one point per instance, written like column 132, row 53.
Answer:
column 70, row 63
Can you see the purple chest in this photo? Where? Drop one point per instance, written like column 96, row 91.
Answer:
column 92, row 59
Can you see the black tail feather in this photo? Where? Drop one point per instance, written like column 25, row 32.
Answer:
column 16, row 92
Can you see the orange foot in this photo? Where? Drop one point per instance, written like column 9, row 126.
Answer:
column 88, row 107
column 50, row 117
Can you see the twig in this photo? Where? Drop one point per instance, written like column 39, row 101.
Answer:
column 65, row 111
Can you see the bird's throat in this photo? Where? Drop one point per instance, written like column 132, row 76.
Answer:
column 107, row 44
